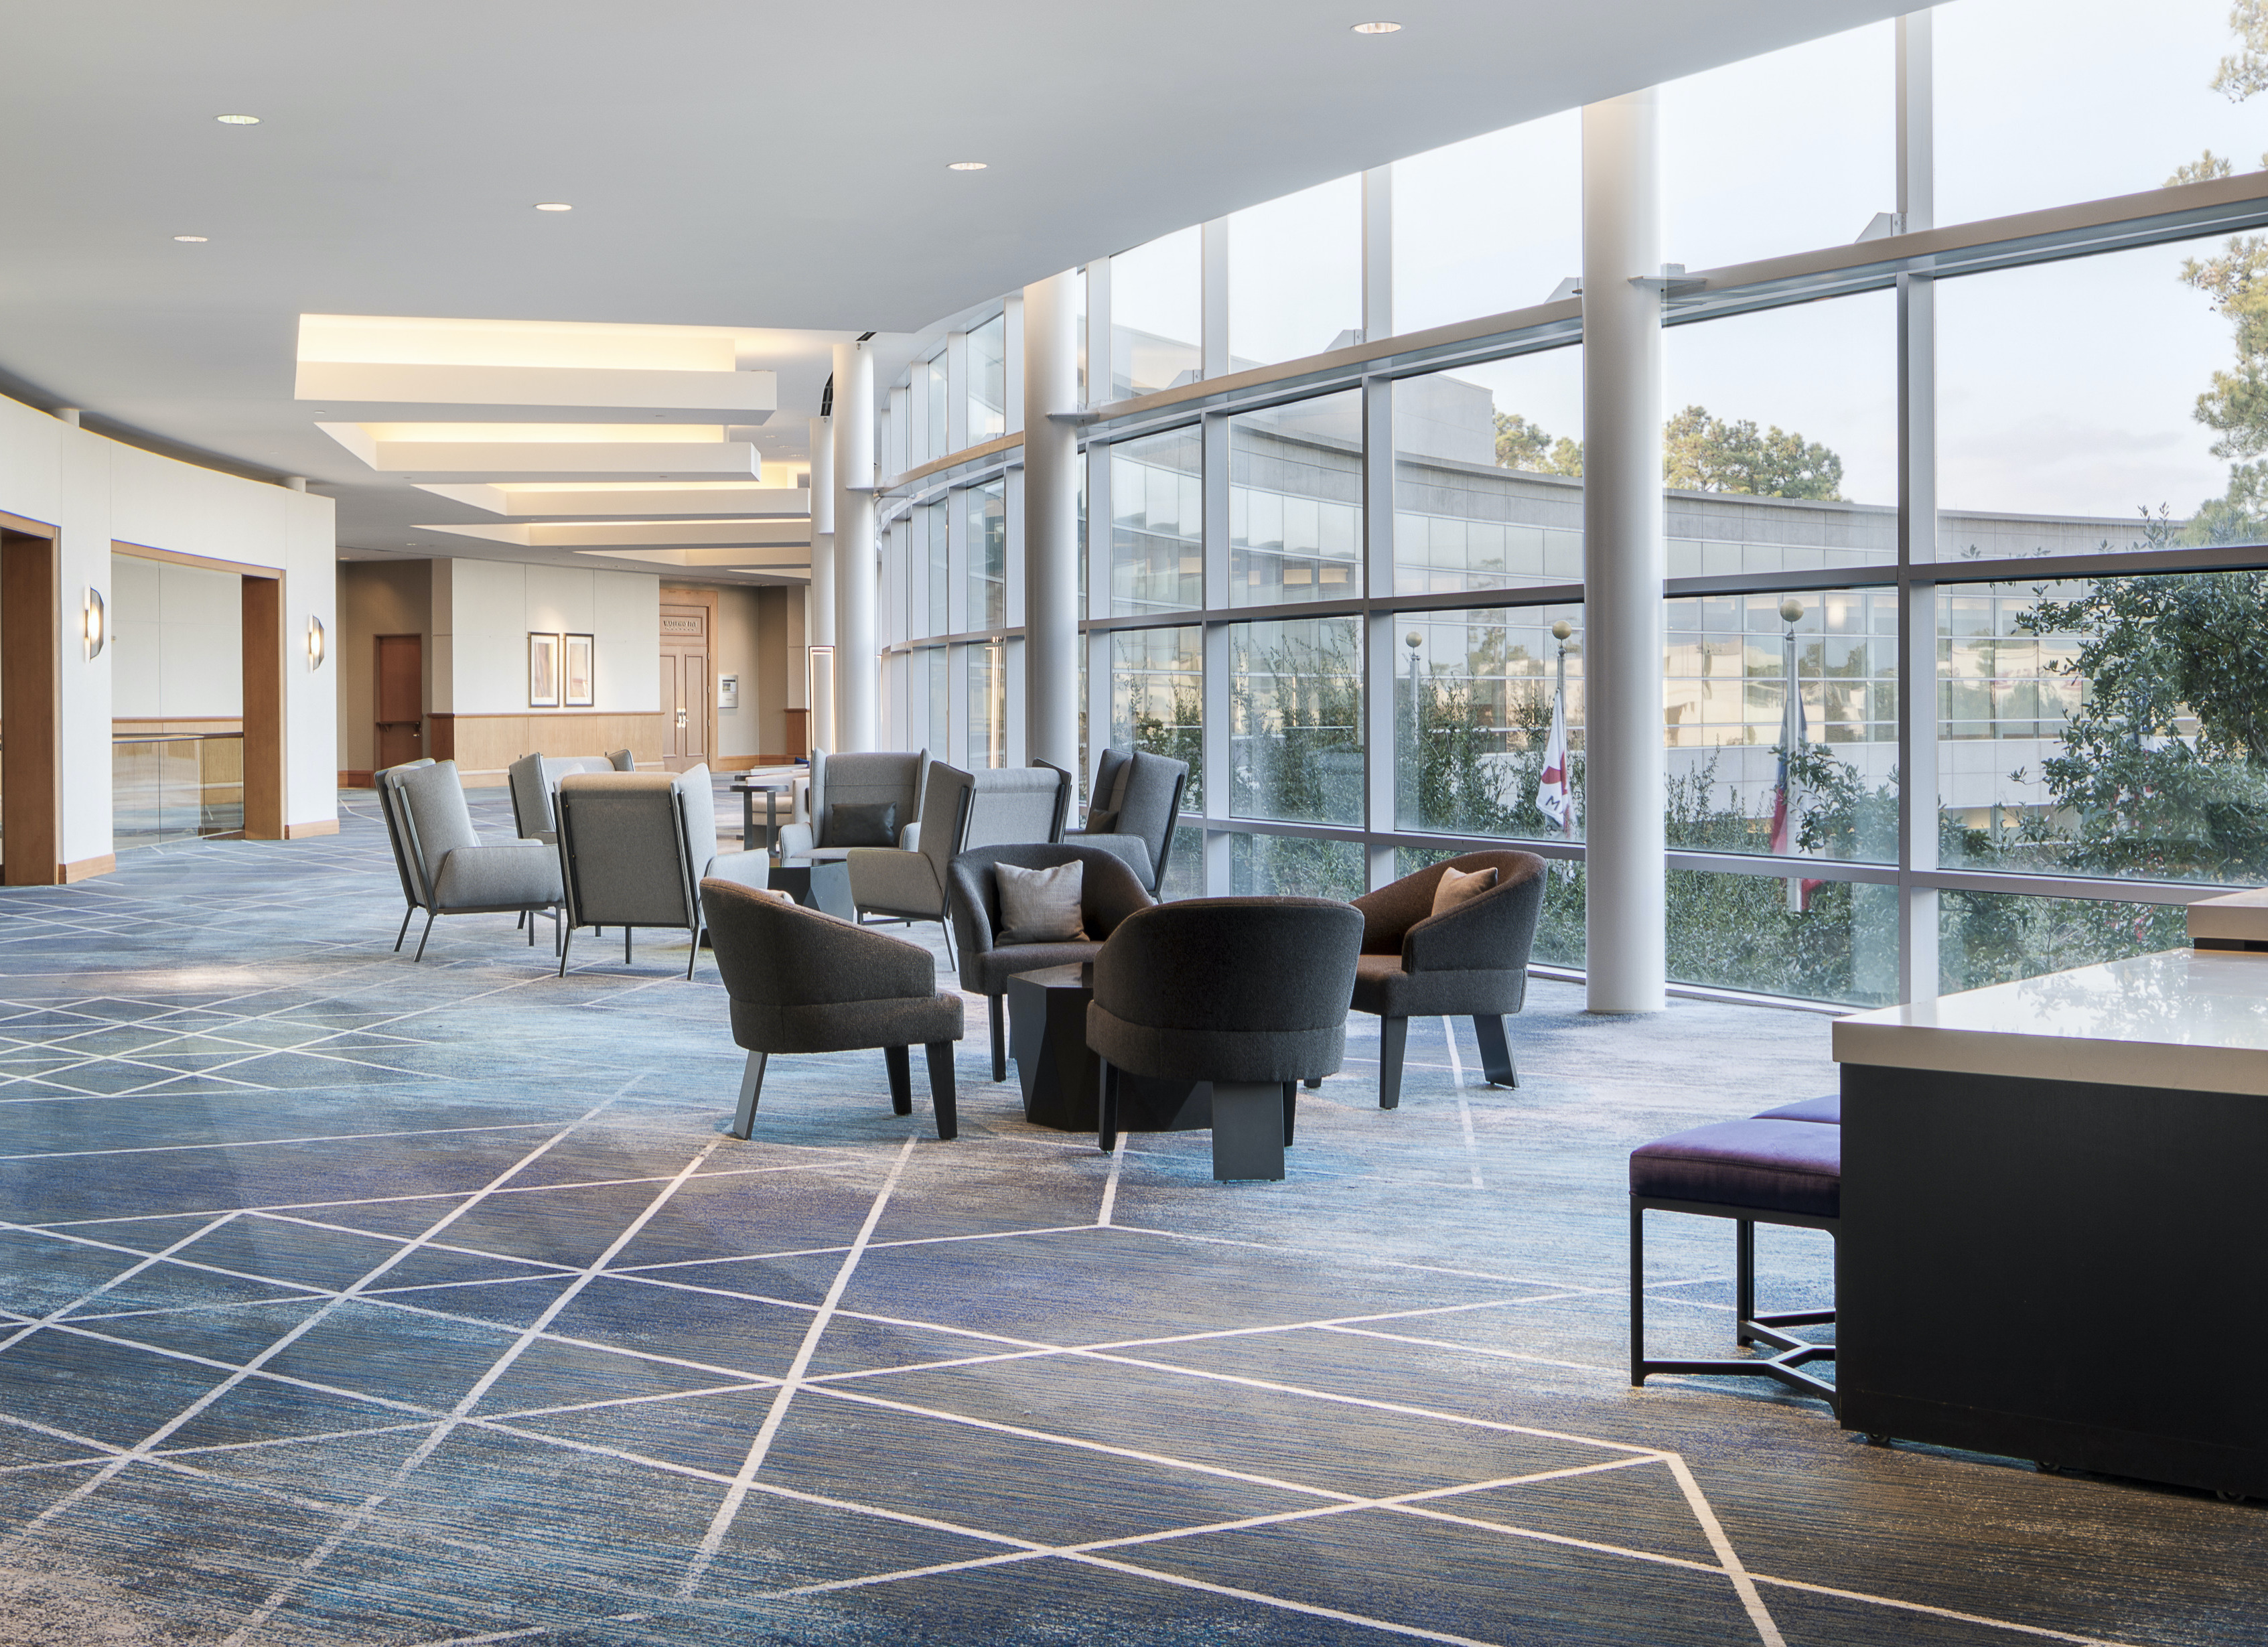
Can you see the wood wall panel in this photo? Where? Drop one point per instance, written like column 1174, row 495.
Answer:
column 263, row 709
column 483, row 745
column 31, row 685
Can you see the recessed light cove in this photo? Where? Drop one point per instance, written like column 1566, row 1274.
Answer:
column 1378, row 28
column 966, row 165
column 191, row 240
column 238, row 120
column 553, row 205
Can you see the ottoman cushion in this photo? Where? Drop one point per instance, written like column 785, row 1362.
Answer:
column 1769, row 1165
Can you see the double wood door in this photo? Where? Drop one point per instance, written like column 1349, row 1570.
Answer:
column 685, row 689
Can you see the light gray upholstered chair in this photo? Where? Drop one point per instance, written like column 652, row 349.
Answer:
column 634, row 848
column 393, row 838
column 621, row 761
column 1249, row 994
column 997, row 807
column 877, row 777
column 1470, row 961
column 803, row 982
column 535, row 779
column 446, row 869
column 1132, row 809
column 1108, row 893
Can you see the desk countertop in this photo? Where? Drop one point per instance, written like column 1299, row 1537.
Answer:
column 2184, row 1019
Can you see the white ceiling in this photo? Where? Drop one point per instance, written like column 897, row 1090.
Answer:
column 731, row 164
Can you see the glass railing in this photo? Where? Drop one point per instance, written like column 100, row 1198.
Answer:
column 176, row 786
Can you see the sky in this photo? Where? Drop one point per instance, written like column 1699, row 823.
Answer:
column 2064, row 389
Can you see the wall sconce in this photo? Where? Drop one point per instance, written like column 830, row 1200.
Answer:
column 314, row 643
column 91, row 626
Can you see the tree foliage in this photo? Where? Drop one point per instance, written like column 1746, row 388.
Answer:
column 1700, row 453
column 2245, row 70
column 1521, row 445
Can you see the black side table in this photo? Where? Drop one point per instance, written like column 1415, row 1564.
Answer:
column 1063, row 1080
column 824, row 885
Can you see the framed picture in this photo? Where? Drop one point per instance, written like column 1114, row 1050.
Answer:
column 543, row 671
column 578, row 677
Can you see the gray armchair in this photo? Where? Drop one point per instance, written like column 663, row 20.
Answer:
column 444, row 868
column 1469, row 961
column 1132, row 809
column 1248, row 994
column 1109, row 894
column 635, row 848
column 998, row 806
column 535, row 779
column 876, row 778
column 803, row 982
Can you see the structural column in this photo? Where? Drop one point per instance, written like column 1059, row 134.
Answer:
column 858, row 661
column 819, row 615
column 1052, row 546
column 1624, row 556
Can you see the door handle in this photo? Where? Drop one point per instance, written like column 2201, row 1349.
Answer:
column 680, row 719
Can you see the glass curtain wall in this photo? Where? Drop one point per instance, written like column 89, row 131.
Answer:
column 1375, row 650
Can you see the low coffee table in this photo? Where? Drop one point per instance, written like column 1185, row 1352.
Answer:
column 1063, row 1080
column 824, row 885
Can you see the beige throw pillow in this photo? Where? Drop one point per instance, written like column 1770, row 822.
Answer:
column 1040, row 906
column 1457, row 886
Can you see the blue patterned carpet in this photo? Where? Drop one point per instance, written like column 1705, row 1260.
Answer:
column 343, row 1299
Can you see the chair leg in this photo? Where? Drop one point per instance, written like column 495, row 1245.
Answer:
column 1107, row 1128
column 941, row 1088
column 626, row 946
column 692, row 949
column 1744, row 1278
column 901, row 1080
column 422, row 936
column 1290, row 1110
column 566, row 942
column 1638, row 1296
column 999, row 1005
column 752, row 1085
column 1314, row 1082
column 952, row 959
column 404, row 933
column 527, row 920
column 1496, row 1050
column 1393, row 1036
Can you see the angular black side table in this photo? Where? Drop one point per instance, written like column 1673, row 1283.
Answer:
column 1063, row 1080
column 824, row 885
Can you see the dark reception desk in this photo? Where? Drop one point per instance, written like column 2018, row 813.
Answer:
column 2054, row 1236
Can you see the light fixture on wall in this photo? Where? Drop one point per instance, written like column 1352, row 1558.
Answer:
column 92, row 627
column 314, row 643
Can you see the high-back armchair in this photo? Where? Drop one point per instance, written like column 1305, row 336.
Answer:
column 1132, row 809
column 1109, row 894
column 1468, row 961
column 635, row 848
column 534, row 778
column 997, row 807
column 444, row 867
column 874, row 778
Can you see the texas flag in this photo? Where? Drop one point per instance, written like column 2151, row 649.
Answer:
column 1792, row 737
column 1554, row 797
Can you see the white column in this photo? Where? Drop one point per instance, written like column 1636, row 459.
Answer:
column 819, row 613
column 1625, row 555
column 857, row 664
column 1052, row 546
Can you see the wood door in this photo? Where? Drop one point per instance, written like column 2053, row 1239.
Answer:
column 401, row 698
column 685, row 691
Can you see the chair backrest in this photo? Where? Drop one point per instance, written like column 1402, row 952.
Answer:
column 865, row 779
column 1498, row 928
column 1241, row 966
column 949, row 796
column 772, row 953
column 536, row 778
column 428, row 809
column 1108, row 892
column 621, row 761
column 624, row 850
column 388, row 783
column 1149, row 792
column 1011, row 805
column 1102, row 794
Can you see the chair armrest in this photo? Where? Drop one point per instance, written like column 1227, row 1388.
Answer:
column 795, row 841
column 909, row 837
column 903, row 883
column 1492, row 933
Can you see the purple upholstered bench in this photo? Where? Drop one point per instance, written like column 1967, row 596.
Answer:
column 1828, row 1109
column 1770, row 1169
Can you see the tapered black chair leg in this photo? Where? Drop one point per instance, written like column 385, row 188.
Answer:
column 1290, row 1110
column 692, row 949
column 901, row 1080
column 422, row 936
column 941, row 1088
column 752, row 1085
column 1393, row 1037
column 626, row 946
column 404, row 933
column 566, row 942
column 1107, row 1132
column 1496, row 1050
column 999, row 1005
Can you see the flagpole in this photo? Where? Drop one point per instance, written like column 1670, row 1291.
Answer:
column 1790, row 612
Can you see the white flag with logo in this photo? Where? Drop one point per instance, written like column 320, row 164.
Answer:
column 1554, row 797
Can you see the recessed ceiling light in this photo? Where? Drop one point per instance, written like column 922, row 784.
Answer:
column 966, row 165
column 553, row 205
column 238, row 120
column 1378, row 28
column 191, row 240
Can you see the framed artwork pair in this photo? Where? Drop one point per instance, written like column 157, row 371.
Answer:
column 559, row 671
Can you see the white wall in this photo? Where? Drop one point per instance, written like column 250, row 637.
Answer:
column 176, row 641
column 94, row 490
column 483, row 612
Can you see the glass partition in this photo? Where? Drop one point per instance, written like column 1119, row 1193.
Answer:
column 1157, row 315
column 1489, row 722
column 1295, row 275
column 1488, row 475
column 1295, row 698
column 1157, row 698
column 1492, row 224
column 988, row 707
column 1157, row 523
column 985, row 520
column 987, row 380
